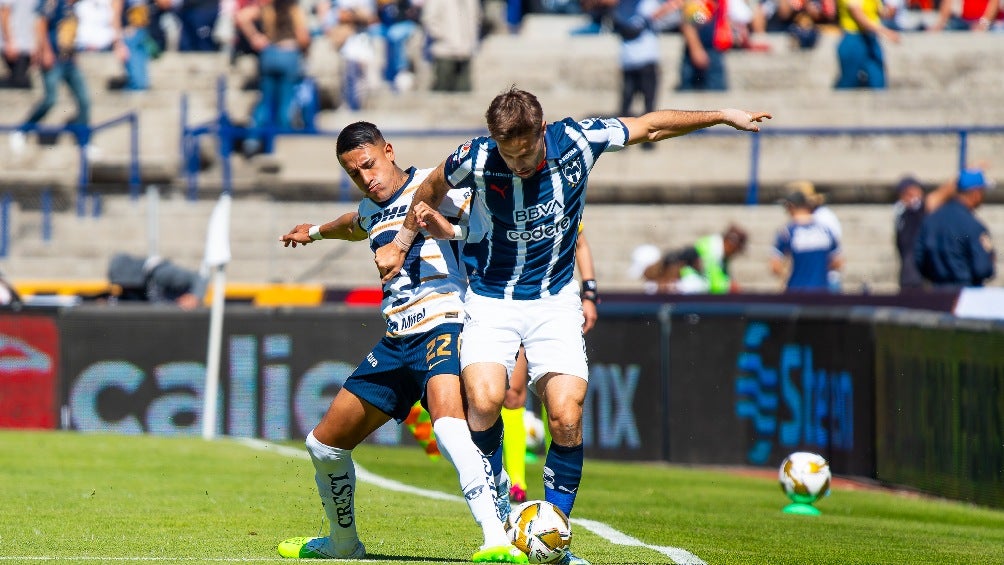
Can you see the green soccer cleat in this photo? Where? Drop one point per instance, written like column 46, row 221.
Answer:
column 317, row 548
column 500, row 554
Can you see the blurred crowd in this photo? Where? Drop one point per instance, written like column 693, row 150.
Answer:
column 382, row 43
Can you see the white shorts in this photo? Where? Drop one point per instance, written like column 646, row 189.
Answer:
column 549, row 328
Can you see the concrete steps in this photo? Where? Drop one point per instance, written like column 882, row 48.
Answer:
column 82, row 247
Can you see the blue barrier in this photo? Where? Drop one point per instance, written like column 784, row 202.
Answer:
column 226, row 132
column 83, row 135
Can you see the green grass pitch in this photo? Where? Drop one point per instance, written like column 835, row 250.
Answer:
column 95, row 498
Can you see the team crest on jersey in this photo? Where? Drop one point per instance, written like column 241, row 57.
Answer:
column 464, row 150
column 573, row 171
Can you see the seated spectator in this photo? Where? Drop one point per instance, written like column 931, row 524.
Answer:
column 95, row 31
column 969, row 15
column 347, row 24
column 17, row 20
column 198, row 18
column 281, row 44
column 805, row 250
column 398, row 23
column 133, row 46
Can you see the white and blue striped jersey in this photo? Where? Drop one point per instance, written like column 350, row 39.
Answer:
column 430, row 288
column 531, row 225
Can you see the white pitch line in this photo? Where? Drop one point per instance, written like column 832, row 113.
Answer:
column 678, row 555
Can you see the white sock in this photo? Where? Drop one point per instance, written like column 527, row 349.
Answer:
column 455, row 443
column 336, row 484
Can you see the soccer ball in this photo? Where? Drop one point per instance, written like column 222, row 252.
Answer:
column 540, row 530
column 804, row 477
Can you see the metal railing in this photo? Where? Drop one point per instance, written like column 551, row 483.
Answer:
column 226, row 132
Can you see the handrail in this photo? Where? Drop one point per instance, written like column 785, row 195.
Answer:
column 82, row 134
column 226, row 132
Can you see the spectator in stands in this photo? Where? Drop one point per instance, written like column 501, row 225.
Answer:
column 911, row 207
column 95, row 31
column 398, row 23
column 634, row 22
column 695, row 269
column 798, row 18
column 805, row 250
column 707, row 35
column 281, row 43
column 198, row 18
column 862, row 63
column 16, row 26
column 954, row 248
column 132, row 45
column 156, row 280
column 56, row 55
column 453, row 29
column 971, row 15
column 824, row 215
column 346, row 23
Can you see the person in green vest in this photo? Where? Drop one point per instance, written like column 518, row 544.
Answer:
column 706, row 264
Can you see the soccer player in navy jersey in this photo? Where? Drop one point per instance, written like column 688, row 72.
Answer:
column 529, row 179
column 417, row 359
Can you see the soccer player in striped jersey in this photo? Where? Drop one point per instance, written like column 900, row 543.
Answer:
column 530, row 181
column 417, row 358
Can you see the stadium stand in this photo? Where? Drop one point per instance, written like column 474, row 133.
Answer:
column 935, row 80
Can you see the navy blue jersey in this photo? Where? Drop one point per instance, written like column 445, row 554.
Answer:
column 530, row 225
column 811, row 247
column 953, row 248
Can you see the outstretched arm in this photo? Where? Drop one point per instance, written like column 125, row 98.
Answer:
column 390, row 258
column 664, row 124
column 344, row 227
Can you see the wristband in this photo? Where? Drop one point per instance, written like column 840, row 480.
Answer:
column 315, row 233
column 459, row 232
column 590, row 291
column 404, row 238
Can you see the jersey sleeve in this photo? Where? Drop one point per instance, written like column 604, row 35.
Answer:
column 604, row 134
column 459, row 166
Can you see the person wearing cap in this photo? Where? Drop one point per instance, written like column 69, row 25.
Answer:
column 954, row 248
column 909, row 211
column 805, row 250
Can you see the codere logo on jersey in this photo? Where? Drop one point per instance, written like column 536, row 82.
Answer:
column 540, row 232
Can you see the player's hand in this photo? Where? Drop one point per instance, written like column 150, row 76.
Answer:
column 389, row 259
column 589, row 314
column 432, row 221
column 743, row 120
column 300, row 234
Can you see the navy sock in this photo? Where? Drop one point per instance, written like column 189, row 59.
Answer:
column 489, row 442
column 562, row 474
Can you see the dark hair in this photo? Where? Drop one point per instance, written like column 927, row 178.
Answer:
column 357, row 134
column 514, row 113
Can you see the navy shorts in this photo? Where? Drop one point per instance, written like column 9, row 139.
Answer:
column 394, row 374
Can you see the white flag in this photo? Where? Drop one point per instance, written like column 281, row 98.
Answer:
column 218, row 234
